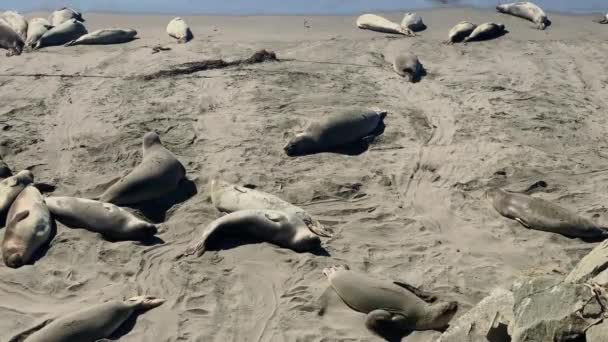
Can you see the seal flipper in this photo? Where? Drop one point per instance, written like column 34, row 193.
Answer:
column 425, row 296
column 522, row 222
column 70, row 43
column 22, row 336
column 18, row 217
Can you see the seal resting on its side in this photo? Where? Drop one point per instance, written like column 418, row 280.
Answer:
column 36, row 28
column 267, row 225
column 28, row 227
column 17, row 22
column 66, row 32
column 11, row 187
column 90, row 324
column 336, row 130
column 392, row 307
column 104, row 218
column 539, row 214
column 105, row 36
column 459, row 32
column 10, row 40
column 178, row 29
column 380, row 24
column 603, row 20
column 158, row 174
column 526, row 10
column 64, row 14
column 486, row 31
column 408, row 65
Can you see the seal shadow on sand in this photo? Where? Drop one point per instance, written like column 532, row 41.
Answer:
column 220, row 242
column 125, row 328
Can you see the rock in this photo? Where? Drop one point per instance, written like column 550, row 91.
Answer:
column 593, row 267
column 413, row 21
column 487, row 321
column 551, row 310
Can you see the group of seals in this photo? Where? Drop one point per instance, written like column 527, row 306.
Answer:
column 178, row 29
column 61, row 34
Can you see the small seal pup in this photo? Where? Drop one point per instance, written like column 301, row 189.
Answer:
column 64, row 14
column 229, row 198
column 380, row 24
column 105, row 36
column 413, row 22
column 11, row 187
column 67, row 31
column 539, row 214
column 10, row 40
column 526, row 10
column 267, row 225
column 336, row 130
column 36, row 28
column 392, row 307
column 90, row 324
column 459, row 32
column 603, row 20
column 486, row 31
column 106, row 219
column 28, row 227
column 178, row 29
column 408, row 65
column 158, row 174
column 17, row 22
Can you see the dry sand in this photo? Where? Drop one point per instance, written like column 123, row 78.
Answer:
column 530, row 105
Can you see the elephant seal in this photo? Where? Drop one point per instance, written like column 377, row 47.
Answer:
column 106, row 219
column 336, row 130
column 59, row 35
column 10, row 40
column 459, row 32
column 526, row 10
column 603, row 20
column 267, row 225
column 17, row 22
column 11, row 187
column 413, row 22
column 105, row 36
column 393, row 307
column 28, row 227
column 178, row 29
column 89, row 324
column 64, row 14
column 377, row 23
column 408, row 65
column 36, row 28
column 539, row 214
column 486, row 31
column 158, row 173
column 229, row 198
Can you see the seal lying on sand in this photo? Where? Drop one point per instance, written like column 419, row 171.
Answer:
column 107, row 219
column 11, row 187
column 17, row 22
column 28, row 227
column 89, row 324
column 229, row 198
column 459, row 32
column 59, row 35
column 336, row 130
column 539, row 214
column 377, row 23
column 486, row 31
column 413, row 22
column 36, row 28
column 391, row 307
column 408, row 65
column 267, row 225
column 10, row 40
column 158, row 174
column 178, row 29
column 526, row 10
column 105, row 36
column 603, row 20
column 64, row 14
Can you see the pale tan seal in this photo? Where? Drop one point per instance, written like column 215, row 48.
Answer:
column 526, row 10
column 407, row 65
column 336, row 130
column 460, row 31
column 28, row 228
column 17, row 22
column 36, row 28
column 229, row 198
column 413, row 21
column 11, row 187
column 105, row 36
column 106, row 219
column 380, row 24
column 486, row 31
column 178, row 29
column 539, row 214
column 158, row 174
column 64, row 14
column 10, row 40
column 266, row 225
column 65, row 32
column 391, row 307
column 89, row 324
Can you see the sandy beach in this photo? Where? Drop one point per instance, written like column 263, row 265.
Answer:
column 528, row 106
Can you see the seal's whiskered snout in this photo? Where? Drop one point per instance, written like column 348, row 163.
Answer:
column 14, row 260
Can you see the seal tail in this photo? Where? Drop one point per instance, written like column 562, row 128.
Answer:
column 70, row 43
